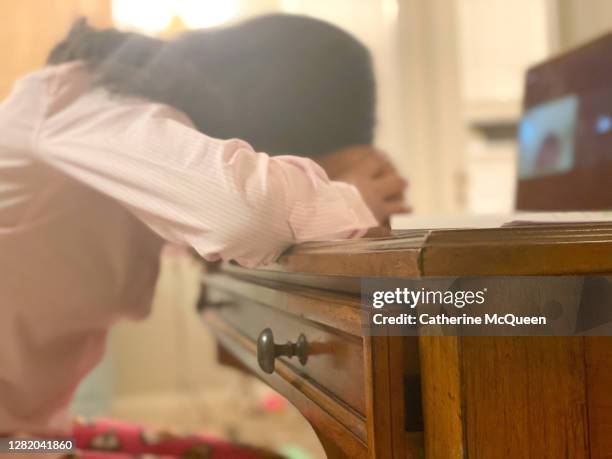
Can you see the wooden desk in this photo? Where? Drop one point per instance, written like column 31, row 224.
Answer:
column 449, row 397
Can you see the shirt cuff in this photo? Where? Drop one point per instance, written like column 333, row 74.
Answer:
column 337, row 212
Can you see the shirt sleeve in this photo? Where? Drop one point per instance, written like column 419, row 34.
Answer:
column 218, row 196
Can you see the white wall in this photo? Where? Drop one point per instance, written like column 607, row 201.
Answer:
column 583, row 20
column 498, row 41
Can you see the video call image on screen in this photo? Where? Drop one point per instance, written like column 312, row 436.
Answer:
column 565, row 134
column 546, row 138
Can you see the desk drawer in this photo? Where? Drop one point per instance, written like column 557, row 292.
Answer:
column 334, row 358
column 337, row 426
column 333, row 377
column 352, row 389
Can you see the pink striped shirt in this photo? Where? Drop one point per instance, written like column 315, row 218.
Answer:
column 91, row 185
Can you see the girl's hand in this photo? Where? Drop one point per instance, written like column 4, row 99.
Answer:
column 370, row 170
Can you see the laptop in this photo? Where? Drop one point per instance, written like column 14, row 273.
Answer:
column 565, row 133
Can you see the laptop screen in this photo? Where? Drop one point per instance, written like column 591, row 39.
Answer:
column 565, row 133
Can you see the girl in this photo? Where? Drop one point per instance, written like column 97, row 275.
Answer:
column 108, row 152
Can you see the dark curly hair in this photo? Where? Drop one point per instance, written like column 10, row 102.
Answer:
column 284, row 83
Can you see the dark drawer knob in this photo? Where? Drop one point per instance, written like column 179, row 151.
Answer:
column 268, row 351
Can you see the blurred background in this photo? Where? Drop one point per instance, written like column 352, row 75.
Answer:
column 450, row 78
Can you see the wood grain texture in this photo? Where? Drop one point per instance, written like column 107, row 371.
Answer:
column 598, row 357
column 524, row 397
column 406, row 408
column 442, row 397
column 525, row 250
column 378, row 397
column 326, row 308
column 520, row 258
column 384, row 359
column 393, row 263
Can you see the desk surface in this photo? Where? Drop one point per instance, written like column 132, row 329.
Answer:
column 528, row 250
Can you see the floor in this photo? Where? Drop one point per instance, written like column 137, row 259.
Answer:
column 249, row 413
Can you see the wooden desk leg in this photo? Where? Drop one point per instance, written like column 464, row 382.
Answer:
column 505, row 397
column 331, row 449
column 599, row 393
column 442, row 397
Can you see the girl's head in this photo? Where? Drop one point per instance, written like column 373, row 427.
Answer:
column 286, row 84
